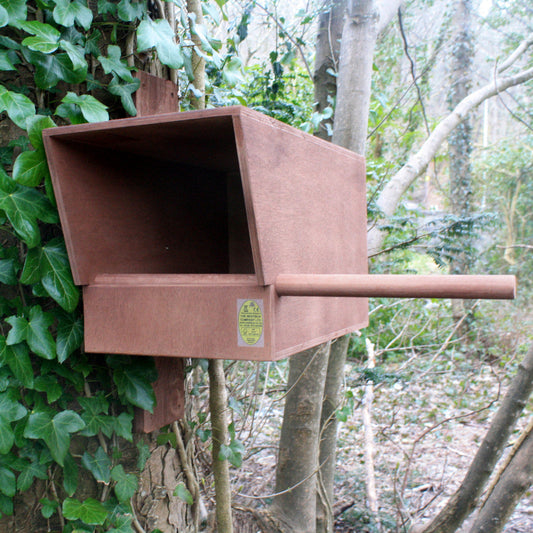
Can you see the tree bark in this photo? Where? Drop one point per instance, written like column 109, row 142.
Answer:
column 219, row 427
column 296, row 473
column 328, row 440
column 355, row 73
column 194, row 7
column 465, row 498
column 515, row 480
column 328, row 44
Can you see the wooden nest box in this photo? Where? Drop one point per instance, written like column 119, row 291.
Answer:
column 218, row 234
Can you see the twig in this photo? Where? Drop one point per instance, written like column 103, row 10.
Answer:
column 413, row 73
column 56, row 498
column 289, row 36
column 135, row 520
column 290, row 489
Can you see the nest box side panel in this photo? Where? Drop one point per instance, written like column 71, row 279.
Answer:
column 181, row 316
column 302, row 323
column 306, row 204
column 306, row 200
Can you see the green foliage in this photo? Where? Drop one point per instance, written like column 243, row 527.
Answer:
column 183, row 493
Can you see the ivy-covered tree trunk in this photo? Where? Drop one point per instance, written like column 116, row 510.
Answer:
column 68, row 458
column 460, row 147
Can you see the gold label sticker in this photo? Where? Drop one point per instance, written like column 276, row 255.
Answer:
column 250, row 322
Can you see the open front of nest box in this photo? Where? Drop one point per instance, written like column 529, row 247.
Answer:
column 178, row 225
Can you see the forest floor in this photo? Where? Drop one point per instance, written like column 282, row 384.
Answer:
column 428, row 418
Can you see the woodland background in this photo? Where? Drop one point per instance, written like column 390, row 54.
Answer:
column 437, row 95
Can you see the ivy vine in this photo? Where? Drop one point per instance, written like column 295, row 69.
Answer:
column 64, row 414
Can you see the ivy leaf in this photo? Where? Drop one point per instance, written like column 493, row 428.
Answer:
column 123, row 426
column 67, row 12
column 26, row 228
column 18, row 107
column 144, row 455
column 33, row 470
column 113, row 64
column 31, row 272
column 8, row 482
column 49, row 507
column 49, row 385
column 232, row 453
column 18, row 331
column 50, row 69
column 69, row 336
column 99, row 465
column 16, row 11
column 103, row 423
column 18, row 359
column 75, row 53
column 7, row 59
column 23, row 206
column 183, row 494
column 70, row 112
column 54, row 431
column 7, row 437
column 35, row 126
column 128, row 11
column 7, row 272
column 39, row 338
column 56, row 276
column 92, row 110
column 4, row 17
column 10, row 411
column 232, row 71
column 159, row 35
column 126, row 484
column 6, row 505
column 30, row 168
column 70, row 475
column 125, row 90
column 45, row 37
column 134, row 385
column 90, row 511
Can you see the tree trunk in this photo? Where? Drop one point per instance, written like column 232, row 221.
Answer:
column 217, row 406
column 355, row 73
column 460, row 147
column 328, row 440
column 294, row 509
column 465, row 498
column 328, row 44
column 194, row 7
column 363, row 23
column 515, row 480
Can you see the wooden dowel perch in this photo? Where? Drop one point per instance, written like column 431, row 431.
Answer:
column 397, row 286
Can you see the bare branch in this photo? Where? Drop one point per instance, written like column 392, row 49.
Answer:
column 524, row 45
